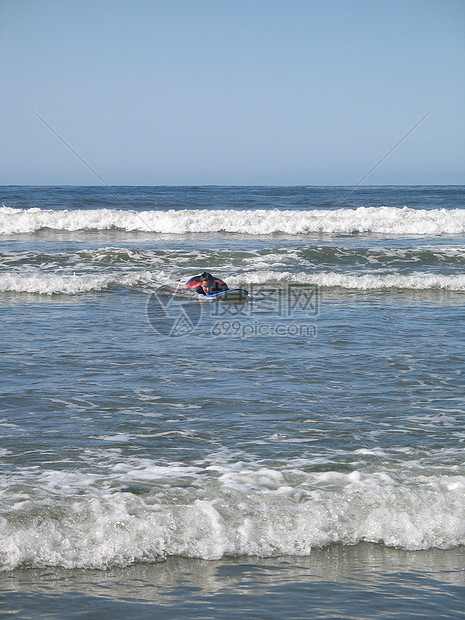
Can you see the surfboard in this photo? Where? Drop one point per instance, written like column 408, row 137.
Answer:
column 232, row 295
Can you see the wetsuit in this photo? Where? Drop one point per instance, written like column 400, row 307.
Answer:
column 217, row 286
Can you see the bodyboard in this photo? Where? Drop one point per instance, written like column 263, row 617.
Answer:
column 232, row 295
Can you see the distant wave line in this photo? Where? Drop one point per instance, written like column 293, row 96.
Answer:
column 259, row 222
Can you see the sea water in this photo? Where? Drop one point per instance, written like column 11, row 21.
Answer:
column 300, row 455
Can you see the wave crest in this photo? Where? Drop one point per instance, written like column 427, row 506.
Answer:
column 375, row 220
column 252, row 514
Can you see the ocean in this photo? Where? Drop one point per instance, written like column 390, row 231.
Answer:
column 299, row 455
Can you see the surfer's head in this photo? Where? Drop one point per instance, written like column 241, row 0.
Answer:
column 206, row 282
column 206, row 277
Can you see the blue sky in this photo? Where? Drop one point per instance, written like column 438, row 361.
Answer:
column 232, row 92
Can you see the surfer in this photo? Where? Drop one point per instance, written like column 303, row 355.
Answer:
column 206, row 284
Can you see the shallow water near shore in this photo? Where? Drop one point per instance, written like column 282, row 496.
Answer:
column 300, row 455
column 365, row 581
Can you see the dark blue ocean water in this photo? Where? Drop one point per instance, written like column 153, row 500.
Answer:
column 299, row 455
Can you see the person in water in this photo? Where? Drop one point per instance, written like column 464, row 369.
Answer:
column 207, row 284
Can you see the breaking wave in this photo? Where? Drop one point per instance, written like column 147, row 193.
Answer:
column 375, row 220
column 53, row 284
column 231, row 511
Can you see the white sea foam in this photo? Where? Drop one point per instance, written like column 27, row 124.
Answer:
column 54, row 284
column 229, row 511
column 379, row 220
column 364, row 282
